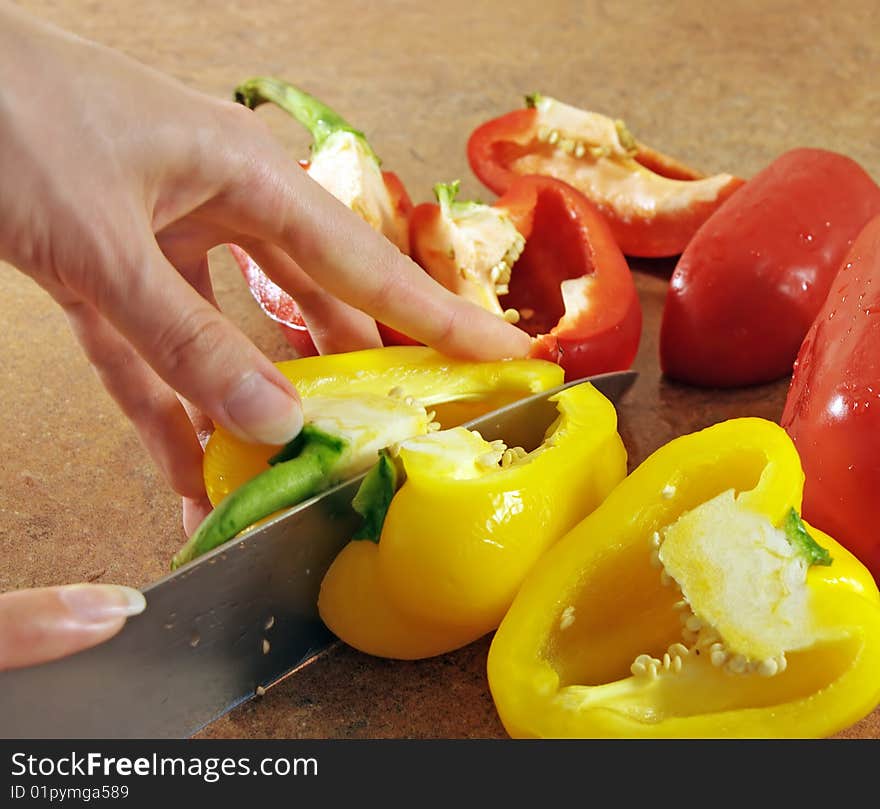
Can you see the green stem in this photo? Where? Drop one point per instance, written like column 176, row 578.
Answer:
column 373, row 498
column 803, row 542
column 314, row 115
column 452, row 207
column 283, row 485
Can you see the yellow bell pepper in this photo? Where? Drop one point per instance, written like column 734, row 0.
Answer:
column 467, row 524
column 693, row 603
column 354, row 405
column 456, row 390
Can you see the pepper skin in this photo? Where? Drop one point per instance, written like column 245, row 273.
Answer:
column 832, row 411
column 653, row 203
column 346, row 166
column 752, row 280
column 462, row 532
column 354, row 406
column 703, row 534
column 544, row 250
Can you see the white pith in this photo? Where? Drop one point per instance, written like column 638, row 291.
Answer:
column 484, row 245
column 367, row 423
column 458, row 454
column 597, row 155
column 759, row 606
column 582, row 133
column 346, row 168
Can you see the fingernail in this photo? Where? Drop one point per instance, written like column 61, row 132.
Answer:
column 98, row 603
column 263, row 412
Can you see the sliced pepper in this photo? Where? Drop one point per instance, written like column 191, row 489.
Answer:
column 690, row 604
column 344, row 163
column 354, row 405
column 546, row 252
column 467, row 524
column 832, row 411
column 653, row 203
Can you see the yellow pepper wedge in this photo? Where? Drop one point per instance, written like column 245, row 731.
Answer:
column 456, row 390
column 470, row 520
column 684, row 607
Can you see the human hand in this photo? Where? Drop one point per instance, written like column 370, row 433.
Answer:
column 51, row 622
column 118, row 180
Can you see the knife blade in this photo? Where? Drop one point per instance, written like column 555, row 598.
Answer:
column 241, row 617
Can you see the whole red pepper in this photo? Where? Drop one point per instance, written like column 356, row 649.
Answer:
column 832, row 411
column 653, row 203
column 751, row 281
column 545, row 250
column 345, row 164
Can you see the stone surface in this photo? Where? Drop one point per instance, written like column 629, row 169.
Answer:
column 724, row 87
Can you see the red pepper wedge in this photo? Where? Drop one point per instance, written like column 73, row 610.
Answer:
column 275, row 303
column 386, row 205
column 752, row 280
column 546, row 250
column 653, row 203
column 832, row 412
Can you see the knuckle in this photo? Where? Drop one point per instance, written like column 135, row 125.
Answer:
column 183, row 346
column 308, row 296
column 111, row 265
column 242, row 133
column 232, row 113
column 386, row 288
column 260, row 191
column 447, row 329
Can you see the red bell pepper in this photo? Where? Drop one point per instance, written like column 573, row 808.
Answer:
column 751, row 281
column 832, row 411
column 653, row 203
column 545, row 250
column 346, row 166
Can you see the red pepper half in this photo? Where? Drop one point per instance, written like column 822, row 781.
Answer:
column 346, row 166
column 832, row 411
column 653, row 203
column 750, row 283
column 547, row 253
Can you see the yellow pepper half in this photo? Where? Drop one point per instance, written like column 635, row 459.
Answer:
column 467, row 524
column 456, row 390
column 693, row 603
column 354, row 407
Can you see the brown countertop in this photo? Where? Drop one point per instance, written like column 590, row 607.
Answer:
column 724, row 87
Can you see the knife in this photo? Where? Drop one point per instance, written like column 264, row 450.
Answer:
column 235, row 621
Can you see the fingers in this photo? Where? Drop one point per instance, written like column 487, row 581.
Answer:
column 199, row 276
column 159, row 417
column 333, row 325
column 280, row 204
column 194, row 510
column 47, row 623
column 196, row 351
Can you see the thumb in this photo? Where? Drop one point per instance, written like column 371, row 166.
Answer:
column 51, row 622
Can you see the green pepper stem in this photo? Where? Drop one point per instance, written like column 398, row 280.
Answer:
column 373, row 498
column 283, row 485
column 447, row 193
column 314, row 115
column 802, row 540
